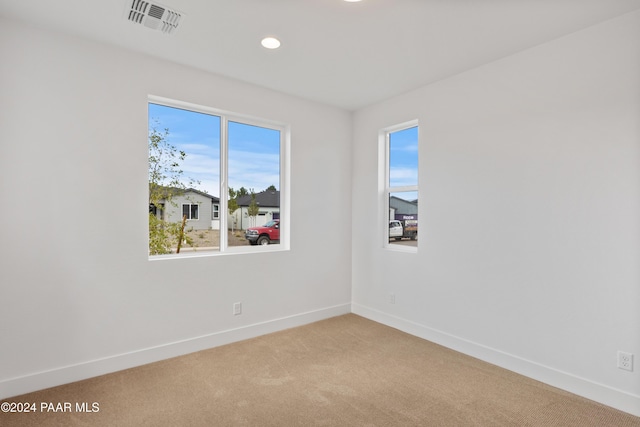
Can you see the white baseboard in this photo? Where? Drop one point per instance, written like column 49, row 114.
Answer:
column 67, row 374
column 606, row 395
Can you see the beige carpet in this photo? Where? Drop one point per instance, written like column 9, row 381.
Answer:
column 344, row 371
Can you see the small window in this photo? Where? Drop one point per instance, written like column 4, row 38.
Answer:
column 399, row 184
column 190, row 211
column 215, row 213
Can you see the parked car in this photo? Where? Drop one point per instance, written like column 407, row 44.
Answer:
column 265, row 234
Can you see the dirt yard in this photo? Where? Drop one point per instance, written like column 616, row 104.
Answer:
column 211, row 238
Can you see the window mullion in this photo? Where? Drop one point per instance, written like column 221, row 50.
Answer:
column 224, row 187
column 402, row 188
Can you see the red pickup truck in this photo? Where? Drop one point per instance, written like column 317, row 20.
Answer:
column 265, row 234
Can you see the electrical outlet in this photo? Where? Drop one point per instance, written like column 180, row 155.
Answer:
column 392, row 298
column 625, row 361
column 237, row 308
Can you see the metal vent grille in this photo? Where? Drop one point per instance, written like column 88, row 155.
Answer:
column 156, row 11
column 154, row 16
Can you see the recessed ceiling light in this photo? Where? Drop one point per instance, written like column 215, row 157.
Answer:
column 352, row 1
column 270, row 42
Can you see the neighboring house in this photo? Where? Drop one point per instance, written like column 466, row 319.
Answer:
column 268, row 202
column 202, row 209
column 401, row 209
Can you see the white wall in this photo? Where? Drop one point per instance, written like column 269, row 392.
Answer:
column 78, row 295
column 529, row 238
column 529, row 241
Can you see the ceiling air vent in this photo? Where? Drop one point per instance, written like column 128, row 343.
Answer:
column 154, row 16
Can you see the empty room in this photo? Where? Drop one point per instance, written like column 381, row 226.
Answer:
column 374, row 212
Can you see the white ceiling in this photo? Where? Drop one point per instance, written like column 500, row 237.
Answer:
column 344, row 54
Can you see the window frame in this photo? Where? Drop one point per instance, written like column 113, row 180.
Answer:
column 384, row 184
column 190, row 216
column 285, row 174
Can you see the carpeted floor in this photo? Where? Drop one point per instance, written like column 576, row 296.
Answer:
column 344, row 371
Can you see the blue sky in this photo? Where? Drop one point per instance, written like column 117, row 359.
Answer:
column 403, row 160
column 254, row 152
column 403, row 157
column 254, row 157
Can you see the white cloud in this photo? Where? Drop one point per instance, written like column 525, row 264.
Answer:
column 253, row 170
column 403, row 176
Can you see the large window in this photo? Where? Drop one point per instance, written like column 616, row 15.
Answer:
column 399, row 184
column 216, row 181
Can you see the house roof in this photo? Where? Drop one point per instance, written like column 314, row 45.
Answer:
column 267, row 198
column 179, row 192
column 202, row 193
